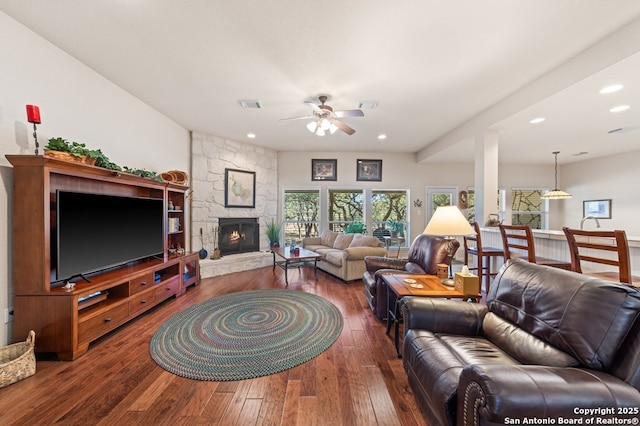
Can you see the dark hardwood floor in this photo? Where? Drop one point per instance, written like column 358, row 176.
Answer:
column 358, row 381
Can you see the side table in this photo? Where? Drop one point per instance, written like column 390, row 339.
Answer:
column 400, row 285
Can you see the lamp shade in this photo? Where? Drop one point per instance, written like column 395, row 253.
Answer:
column 448, row 221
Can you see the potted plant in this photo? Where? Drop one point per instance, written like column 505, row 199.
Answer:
column 273, row 233
column 355, row 228
column 397, row 228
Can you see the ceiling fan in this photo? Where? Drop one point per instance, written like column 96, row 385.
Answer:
column 326, row 119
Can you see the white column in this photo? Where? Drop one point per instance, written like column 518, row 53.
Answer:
column 486, row 175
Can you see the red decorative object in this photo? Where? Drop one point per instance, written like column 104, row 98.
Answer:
column 33, row 114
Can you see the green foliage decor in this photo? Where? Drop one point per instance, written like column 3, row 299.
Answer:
column 396, row 226
column 355, row 228
column 80, row 149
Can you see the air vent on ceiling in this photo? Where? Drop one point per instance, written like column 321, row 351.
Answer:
column 250, row 103
column 368, row 104
column 623, row 129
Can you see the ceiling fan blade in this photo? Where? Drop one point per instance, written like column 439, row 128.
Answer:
column 314, row 106
column 340, row 125
column 349, row 113
column 297, row 118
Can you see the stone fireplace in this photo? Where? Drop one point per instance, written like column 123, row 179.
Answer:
column 238, row 235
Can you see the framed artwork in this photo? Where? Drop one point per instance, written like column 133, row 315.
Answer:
column 324, row 169
column 369, row 170
column 600, row 209
column 239, row 188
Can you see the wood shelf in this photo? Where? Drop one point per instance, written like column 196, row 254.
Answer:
column 63, row 324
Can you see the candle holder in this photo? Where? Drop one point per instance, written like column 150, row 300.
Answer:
column 35, row 137
column 33, row 116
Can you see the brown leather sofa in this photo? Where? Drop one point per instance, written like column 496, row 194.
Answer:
column 425, row 253
column 549, row 344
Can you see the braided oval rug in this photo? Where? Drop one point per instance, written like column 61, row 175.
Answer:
column 246, row 335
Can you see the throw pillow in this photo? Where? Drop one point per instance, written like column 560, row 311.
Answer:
column 342, row 241
column 360, row 240
column 328, row 238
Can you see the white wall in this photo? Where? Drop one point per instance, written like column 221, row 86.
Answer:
column 615, row 177
column 77, row 104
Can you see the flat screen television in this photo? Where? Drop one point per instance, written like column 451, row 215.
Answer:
column 96, row 232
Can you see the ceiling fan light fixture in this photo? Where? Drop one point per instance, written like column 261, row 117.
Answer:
column 312, row 126
column 556, row 194
column 325, row 124
column 320, row 131
column 332, row 128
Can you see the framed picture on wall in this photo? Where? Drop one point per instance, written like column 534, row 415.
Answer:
column 369, row 170
column 239, row 188
column 324, row 169
column 600, row 209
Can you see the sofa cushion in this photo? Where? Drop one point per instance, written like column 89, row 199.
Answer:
column 524, row 347
column 585, row 317
column 342, row 241
column 333, row 256
column 317, row 248
column 328, row 238
column 360, row 240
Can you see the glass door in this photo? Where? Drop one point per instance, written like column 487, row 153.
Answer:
column 440, row 196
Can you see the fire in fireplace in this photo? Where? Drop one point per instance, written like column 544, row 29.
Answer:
column 238, row 235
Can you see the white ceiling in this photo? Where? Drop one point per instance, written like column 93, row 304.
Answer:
column 431, row 65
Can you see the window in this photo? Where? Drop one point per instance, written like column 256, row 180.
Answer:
column 527, row 208
column 301, row 214
column 439, row 196
column 389, row 213
column 346, row 208
column 471, row 203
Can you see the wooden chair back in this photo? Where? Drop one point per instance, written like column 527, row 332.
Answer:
column 476, row 239
column 518, row 237
column 583, row 246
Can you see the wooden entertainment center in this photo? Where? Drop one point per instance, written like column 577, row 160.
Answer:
column 66, row 321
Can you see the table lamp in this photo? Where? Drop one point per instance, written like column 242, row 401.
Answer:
column 448, row 222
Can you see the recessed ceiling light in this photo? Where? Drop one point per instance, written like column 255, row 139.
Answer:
column 251, row 135
column 619, row 108
column 250, row 103
column 382, row 136
column 610, row 89
column 537, row 120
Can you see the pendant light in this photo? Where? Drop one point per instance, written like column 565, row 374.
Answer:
column 556, row 194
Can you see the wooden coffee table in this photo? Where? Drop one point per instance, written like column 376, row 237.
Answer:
column 400, row 285
column 304, row 258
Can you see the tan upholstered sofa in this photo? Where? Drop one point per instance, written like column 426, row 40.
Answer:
column 343, row 254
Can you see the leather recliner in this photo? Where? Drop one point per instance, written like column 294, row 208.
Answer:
column 549, row 344
column 425, row 253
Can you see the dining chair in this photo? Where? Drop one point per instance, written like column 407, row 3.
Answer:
column 473, row 246
column 518, row 241
column 602, row 247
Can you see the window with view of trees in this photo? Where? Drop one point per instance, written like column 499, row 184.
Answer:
column 389, row 211
column 346, row 207
column 528, row 208
column 301, row 214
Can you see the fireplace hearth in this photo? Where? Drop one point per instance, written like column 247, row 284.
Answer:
column 238, row 235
